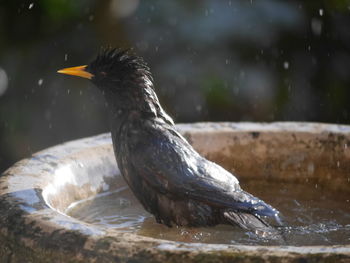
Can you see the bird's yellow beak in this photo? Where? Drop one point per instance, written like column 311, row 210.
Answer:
column 77, row 71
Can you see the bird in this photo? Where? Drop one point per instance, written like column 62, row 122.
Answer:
column 171, row 180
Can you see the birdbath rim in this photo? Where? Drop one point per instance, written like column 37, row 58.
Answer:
column 32, row 227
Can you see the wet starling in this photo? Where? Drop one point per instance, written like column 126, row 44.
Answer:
column 170, row 179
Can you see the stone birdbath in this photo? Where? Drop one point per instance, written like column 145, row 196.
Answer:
column 36, row 192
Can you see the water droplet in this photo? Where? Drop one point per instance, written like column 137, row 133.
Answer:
column 123, row 8
column 30, row 5
column 65, row 57
column 68, row 91
column 338, row 164
column 316, row 26
column 3, row 81
column 40, row 82
column 321, row 12
column 286, row 65
column 47, row 115
column 296, row 202
column 242, row 74
column 227, row 61
column 311, row 168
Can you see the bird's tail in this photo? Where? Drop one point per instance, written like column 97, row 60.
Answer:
column 245, row 220
column 251, row 210
column 253, row 214
column 252, row 223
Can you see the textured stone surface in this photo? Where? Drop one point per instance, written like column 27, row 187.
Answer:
column 35, row 192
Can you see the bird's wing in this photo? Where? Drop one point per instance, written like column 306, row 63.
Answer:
column 172, row 167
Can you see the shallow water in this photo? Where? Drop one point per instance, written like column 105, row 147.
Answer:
column 312, row 215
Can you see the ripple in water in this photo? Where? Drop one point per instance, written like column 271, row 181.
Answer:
column 313, row 216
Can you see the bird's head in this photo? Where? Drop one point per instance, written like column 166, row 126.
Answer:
column 112, row 69
column 125, row 80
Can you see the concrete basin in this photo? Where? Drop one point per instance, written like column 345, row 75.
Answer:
column 35, row 193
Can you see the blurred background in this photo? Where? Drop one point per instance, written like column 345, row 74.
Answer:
column 229, row 60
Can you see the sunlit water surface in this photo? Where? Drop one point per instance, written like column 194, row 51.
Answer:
column 313, row 216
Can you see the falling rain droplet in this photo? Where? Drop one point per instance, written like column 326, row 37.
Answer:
column 316, row 26
column 40, row 82
column 65, row 57
column 123, row 8
column 3, row 81
column 30, row 5
column 320, row 12
column 286, row 65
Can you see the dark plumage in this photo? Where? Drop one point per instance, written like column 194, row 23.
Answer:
column 170, row 179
